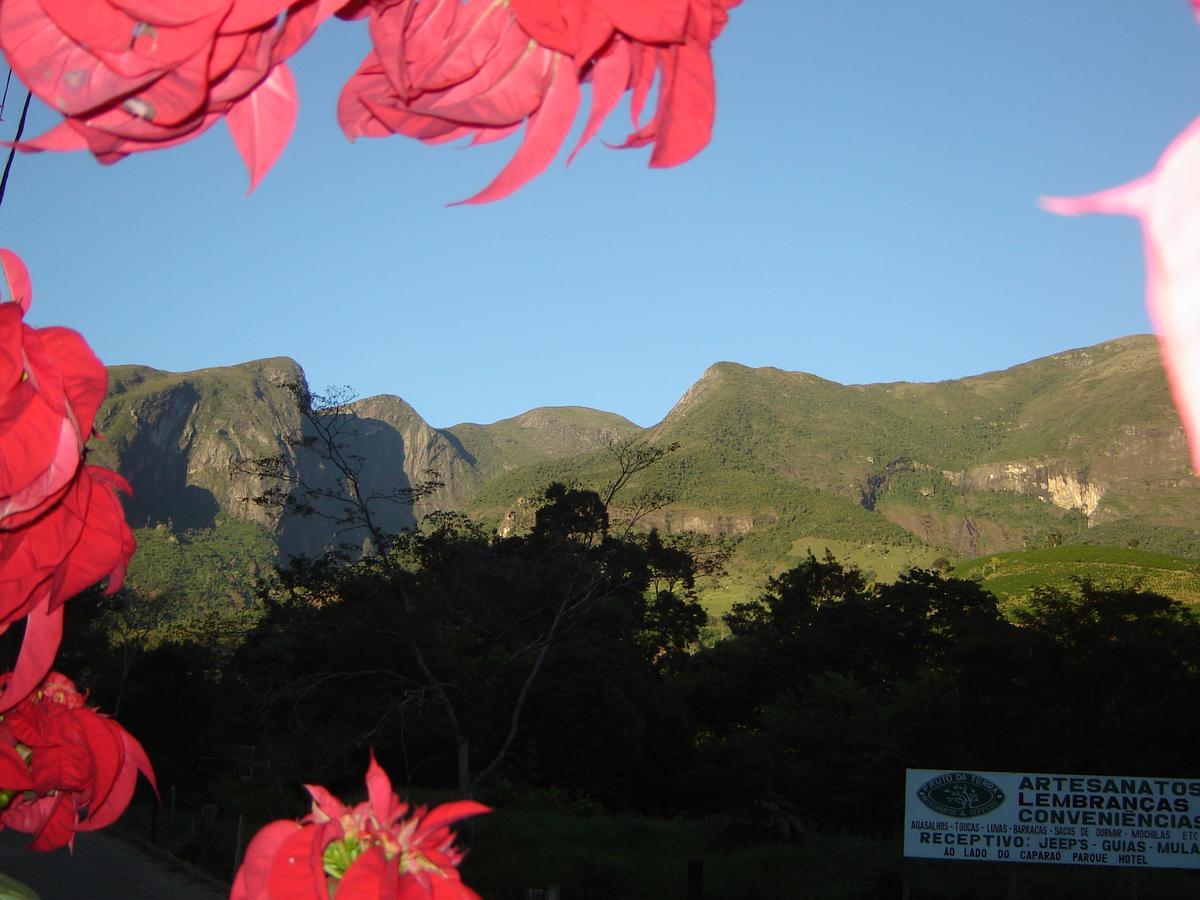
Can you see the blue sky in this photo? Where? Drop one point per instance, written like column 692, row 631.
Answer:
column 866, row 212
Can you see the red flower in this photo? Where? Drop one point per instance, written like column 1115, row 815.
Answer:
column 78, row 542
column 62, row 528
column 441, row 70
column 133, row 75
column 64, row 768
column 51, row 385
column 373, row 850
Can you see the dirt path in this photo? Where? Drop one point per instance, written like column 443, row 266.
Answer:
column 103, row 867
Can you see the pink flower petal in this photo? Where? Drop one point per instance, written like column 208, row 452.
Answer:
column 19, row 288
column 449, row 813
column 43, row 633
column 610, row 76
column 544, row 135
column 379, row 792
column 1167, row 202
column 369, row 877
column 254, row 874
column 261, row 123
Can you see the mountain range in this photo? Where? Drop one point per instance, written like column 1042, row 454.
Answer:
column 1083, row 446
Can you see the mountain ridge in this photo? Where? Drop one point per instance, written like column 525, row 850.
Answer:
column 1070, row 446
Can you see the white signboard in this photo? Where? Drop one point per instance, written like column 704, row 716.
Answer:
column 1028, row 817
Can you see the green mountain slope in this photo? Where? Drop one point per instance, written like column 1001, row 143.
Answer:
column 1011, row 576
column 1082, row 447
column 1060, row 444
column 175, row 437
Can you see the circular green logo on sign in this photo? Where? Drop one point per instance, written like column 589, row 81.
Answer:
column 960, row 794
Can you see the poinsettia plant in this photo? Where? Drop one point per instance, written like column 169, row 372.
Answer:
column 447, row 70
column 135, row 75
column 375, row 849
column 64, row 767
column 62, row 528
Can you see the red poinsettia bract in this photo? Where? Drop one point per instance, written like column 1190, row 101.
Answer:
column 1167, row 203
column 133, row 75
column 51, row 385
column 80, row 541
column 445, row 69
column 64, row 768
column 378, row 849
column 62, row 528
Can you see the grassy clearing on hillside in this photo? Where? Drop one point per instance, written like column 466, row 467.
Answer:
column 879, row 562
column 1011, row 576
column 1174, row 540
column 749, row 571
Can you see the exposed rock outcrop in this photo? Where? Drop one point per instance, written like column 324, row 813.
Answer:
column 1051, row 481
column 176, row 438
column 184, row 440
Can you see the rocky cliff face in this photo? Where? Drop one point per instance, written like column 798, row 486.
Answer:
column 177, row 438
column 712, row 523
column 183, row 441
column 1050, row 481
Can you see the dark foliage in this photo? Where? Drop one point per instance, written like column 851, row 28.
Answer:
column 827, row 690
column 806, row 716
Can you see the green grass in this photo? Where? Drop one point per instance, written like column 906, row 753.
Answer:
column 881, row 561
column 1136, row 532
column 1011, row 576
